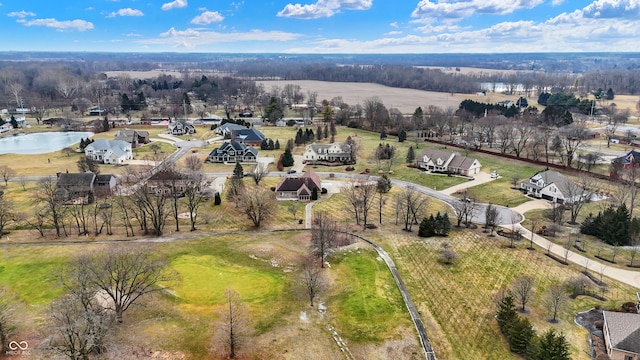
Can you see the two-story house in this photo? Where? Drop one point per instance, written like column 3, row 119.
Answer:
column 227, row 129
column 233, row 151
column 251, row 137
column 180, row 127
column 169, row 183
column 133, row 137
column 448, row 162
column 109, row 151
column 82, row 188
column 331, row 153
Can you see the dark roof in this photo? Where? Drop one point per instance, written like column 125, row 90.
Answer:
column 309, row 179
column 631, row 157
column 248, row 134
column 104, row 177
column 82, row 181
column 290, row 184
column 227, row 145
column 169, row 175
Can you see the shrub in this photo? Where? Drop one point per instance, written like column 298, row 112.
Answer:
column 324, row 191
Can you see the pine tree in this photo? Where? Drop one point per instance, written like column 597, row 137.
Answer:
column 553, row 346
column 270, row 145
column 332, row 128
column 520, row 335
column 402, row 136
column 217, row 200
column 264, row 144
column 277, row 145
column 383, row 135
column 238, row 171
column 319, row 133
column 287, row 158
column 427, row 227
column 506, row 313
column 314, row 194
column 326, row 131
column 411, row 155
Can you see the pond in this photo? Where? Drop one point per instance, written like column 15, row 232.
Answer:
column 40, row 143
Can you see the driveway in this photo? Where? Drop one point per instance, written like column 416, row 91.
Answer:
column 480, row 178
column 298, row 166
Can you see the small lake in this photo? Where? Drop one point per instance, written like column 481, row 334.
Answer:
column 40, row 143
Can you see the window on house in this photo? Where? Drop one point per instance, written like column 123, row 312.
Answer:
column 628, row 357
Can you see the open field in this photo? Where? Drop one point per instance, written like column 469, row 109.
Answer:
column 262, row 269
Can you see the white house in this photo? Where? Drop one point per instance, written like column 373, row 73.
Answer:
column 553, row 186
column 336, row 152
column 449, row 162
column 6, row 127
column 109, row 151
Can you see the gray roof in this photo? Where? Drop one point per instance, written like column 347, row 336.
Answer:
column 458, row 161
column 76, row 181
column 102, row 144
column 344, row 147
column 553, row 177
column 624, row 331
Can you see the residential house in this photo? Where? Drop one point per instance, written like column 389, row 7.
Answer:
column 75, row 188
column 109, row 151
column 96, row 111
column 180, row 127
column 332, row 153
column 631, row 159
column 6, row 127
column 105, row 184
column 299, row 188
column 133, row 137
column 448, row 162
column 553, row 186
column 622, row 335
column 251, row 137
column 233, row 151
column 169, row 182
column 227, row 129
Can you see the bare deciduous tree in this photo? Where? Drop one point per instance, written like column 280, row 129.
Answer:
column 7, row 214
column 258, row 204
column 572, row 138
column 259, row 172
column 7, row 321
column 7, row 173
column 194, row 196
column 193, row 163
column 50, row 207
column 576, row 195
column 556, row 299
column 122, row 275
column 233, row 329
column 410, row 205
column 492, row 217
column 323, row 235
column 311, row 280
column 293, row 210
column 522, row 290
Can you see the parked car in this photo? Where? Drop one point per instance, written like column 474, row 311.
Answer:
column 291, row 171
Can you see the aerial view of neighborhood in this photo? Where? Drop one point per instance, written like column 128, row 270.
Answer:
column 178, row 182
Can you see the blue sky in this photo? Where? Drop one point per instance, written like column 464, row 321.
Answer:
column 321, row 26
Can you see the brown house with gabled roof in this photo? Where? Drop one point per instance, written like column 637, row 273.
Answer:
column 133, row 137
column 169, row 182
column 299, row 188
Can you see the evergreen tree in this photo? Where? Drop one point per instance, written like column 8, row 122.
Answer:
column 326, row 131
column 319, row 133
column 14, row 122
column 383, row 135
column 427, row 227
column 520, row 336
column 314, row 194
column 264, row 144
column 506, row 313
column 270, row 145
column 332, row 128
column 609, row 95
column 217, row 200
column 411, row 155
column 277, row 145
column 445, row 225
column 287, row 158
column 238, row 171
column 553, row 346
column 105, row 124
column 402, row 136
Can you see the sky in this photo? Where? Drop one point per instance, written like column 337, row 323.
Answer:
column 321, row 26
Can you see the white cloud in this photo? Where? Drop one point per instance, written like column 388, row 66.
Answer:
column 21, row 14
column 392, row 33
column 453, row 9
column 323, row 8
column 191, row 38
column 394, row 24
column 133, row 35
column 126, row 12
column 207, row 18
column 175, row 4
column 79, row 25
column 556, row 2
column 612, row 9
